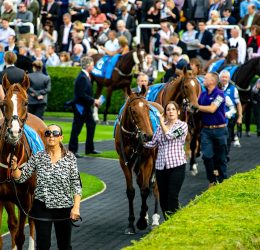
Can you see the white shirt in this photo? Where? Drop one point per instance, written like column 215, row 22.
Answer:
column 241, row 48
column 65, row 39
column 112, row 45
column 53, row 60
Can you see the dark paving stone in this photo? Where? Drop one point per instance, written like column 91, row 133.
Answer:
column 105, row 216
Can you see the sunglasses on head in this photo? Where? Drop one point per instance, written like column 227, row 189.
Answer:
column 55, row 133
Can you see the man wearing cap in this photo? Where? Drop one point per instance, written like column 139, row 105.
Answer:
column 214, row 133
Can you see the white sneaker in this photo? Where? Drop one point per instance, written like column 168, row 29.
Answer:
column 156, row 218
column 236, row 142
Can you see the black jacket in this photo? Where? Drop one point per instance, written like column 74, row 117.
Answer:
column 207, row 40
column 14, row 74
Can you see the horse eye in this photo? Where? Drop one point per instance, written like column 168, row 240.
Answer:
column 25, row 103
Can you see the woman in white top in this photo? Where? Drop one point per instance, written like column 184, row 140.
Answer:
column 188, row 37
column 219, row 48
column 48, row 35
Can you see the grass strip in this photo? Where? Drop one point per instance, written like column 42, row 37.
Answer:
column 91, row 185
column 227, row 216
column 111, row 154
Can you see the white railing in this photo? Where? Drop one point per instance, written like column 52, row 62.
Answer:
column 15, row 24
column 225, row 27
column 144, row 26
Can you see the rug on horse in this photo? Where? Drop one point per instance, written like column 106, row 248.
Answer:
column 216, row 65
column 153, row 92
column 105, row 66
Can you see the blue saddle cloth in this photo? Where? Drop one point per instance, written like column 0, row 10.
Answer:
column 153, row 114
column 153, row 92
column 216, row 65
column 231, row 69
column 34, row 140
column 105, row 66
column 200, row 79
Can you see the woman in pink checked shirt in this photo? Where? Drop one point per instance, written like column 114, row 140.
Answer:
column 171, row 160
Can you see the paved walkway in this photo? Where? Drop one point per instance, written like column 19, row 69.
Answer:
column 105, row 216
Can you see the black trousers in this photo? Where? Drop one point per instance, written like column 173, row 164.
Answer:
column 44, row 228
column 78, row 122
column 37, row 109
column 169, row 185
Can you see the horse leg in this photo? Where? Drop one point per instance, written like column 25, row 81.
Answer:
column 193, row 162
column 156, row 216
column 108, row 102
column 32, row 233
column 12, row 221
column 20, row 237
column 130, row 192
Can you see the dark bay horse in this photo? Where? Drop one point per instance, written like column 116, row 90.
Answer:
column 132, row 130
column 121, row 76
column 14, row 142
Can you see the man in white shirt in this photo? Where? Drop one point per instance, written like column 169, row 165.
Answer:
column 5, row 32
column 112, row 44
column 236, row 41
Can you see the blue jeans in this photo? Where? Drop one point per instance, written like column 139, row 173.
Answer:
column 214, row 149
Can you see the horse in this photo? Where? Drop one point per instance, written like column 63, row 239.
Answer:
column 231, row 58
column 132, row 130
column 13, row 142
column 121, row 76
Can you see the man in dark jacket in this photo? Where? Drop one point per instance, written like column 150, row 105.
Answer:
column 14, row 74
column 83, row 108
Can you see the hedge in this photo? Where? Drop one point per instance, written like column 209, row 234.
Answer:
column 226, row 216
column 62, row 82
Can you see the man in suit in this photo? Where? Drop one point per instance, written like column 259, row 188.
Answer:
column 65, row 33
column 83, row 109
column 50, row 11
column 129, row 21
column 14, row 74
column 205, row 40
column 227, row 19
column 252, row 18
column 142, row 79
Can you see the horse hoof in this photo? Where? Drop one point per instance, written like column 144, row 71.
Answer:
column 142, row 224
column 156, row 218
column 130, row 230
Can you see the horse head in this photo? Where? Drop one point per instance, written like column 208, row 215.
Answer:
column 139, row 58
column 190, row 88
column 14, row 108
column 136, row 117
column 232, row 56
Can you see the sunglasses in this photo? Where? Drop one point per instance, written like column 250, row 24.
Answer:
column 55, row 133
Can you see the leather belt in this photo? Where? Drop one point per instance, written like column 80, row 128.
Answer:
column 215, row 126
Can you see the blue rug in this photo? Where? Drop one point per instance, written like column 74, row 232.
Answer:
column 216, row 65
column 153, row 91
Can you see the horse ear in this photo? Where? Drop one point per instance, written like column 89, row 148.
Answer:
column 5, row 83
column 26, row 82
column 129, row 91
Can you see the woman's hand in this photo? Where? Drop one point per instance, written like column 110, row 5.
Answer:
column 13, row 162
column 74, row 213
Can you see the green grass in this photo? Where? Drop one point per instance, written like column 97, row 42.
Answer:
column 103, row 132
column 225, row 217
column 112, row 154
column 90, row 185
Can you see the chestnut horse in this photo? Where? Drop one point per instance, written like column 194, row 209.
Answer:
column 13, row 142
column 121, row 76
column 132, row 130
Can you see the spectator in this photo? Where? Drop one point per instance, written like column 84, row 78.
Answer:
column 5, row 32
column 65, row 33
column 23, row 60
column 214, row 18
column 244, row 6
column 34, row 7
column 50, row 11
column 227, row 19
column 14, row 74
column 122, row 31
column 205, row 41
column 169, row 138
column 253, row 44
column 129, row 20
column 78, row 10
column 170, row 13
column 252, row 18
column 39, row 55
column 214, row 132
column 112, row 44
column 48, row 35
column 236, row 41
column 23, row 16
column 11, row 45
column 58, row 189
column 256, row 104
column 84, row 101
column 154, row 13
column 77, row 54
column 103, row 35
column 149, row 68
column 188, row 37
column 175, row 41
column 40, row 86
column 219, row 48
column 52, row 57
column 200, row 10
column 196, row 66
column 231, row 91
column 8, row 11
column 142, row 80
column 65, row 59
